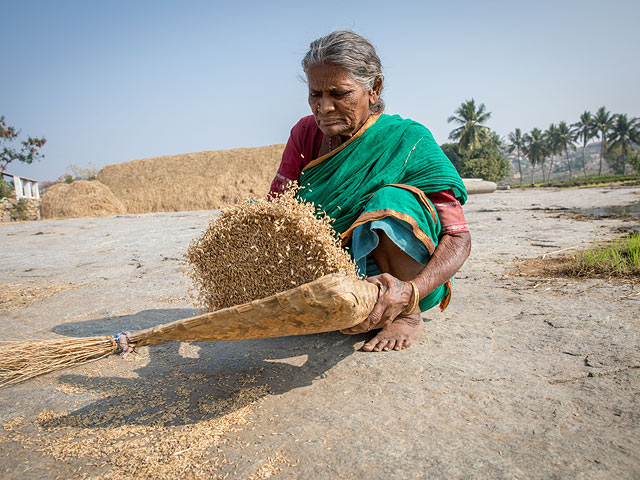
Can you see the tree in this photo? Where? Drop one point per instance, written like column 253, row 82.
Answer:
column 27, row 152
column 516, row 143
column 602, row 123
column 552, row 140
column 487, row 161
column 565, row 140
column 471, row 133
column 535, row 148
column 585, row 130
column 451, row 151
column 79, row 173
column 624, row 133
column 634, row 160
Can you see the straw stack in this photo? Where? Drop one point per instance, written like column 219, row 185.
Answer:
column 80, row 199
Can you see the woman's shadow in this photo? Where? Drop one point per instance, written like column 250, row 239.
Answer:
column 182, row 384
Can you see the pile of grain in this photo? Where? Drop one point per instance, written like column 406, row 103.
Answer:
column 258, row 249
column 193, row 181
column 80, row 199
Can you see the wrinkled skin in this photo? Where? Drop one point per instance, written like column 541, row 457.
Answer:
column 395, row 293
column 340, row 104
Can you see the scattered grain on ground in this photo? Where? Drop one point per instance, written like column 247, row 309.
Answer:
column 147, row 431
column 17, row 296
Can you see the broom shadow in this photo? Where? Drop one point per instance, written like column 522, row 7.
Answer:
column 176, row 389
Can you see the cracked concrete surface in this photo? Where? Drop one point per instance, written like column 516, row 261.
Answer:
column 519, row 378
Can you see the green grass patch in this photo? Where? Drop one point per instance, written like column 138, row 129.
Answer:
column 619, row 258
column 592, row 181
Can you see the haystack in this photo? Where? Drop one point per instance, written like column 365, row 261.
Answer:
column 261, row 248
column 80, row 199
column 193, row 181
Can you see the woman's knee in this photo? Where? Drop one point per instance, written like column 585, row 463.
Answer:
column 393, row 260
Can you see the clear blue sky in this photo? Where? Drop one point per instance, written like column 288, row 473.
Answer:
column 112, row 81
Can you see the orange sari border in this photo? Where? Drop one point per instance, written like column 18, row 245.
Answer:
column 421, row 196
column 380, row 214
column 445, row 301
column 372, row 119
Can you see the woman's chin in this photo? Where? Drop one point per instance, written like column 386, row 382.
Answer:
column 334, row 129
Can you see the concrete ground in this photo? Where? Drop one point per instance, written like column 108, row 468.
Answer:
column 519, row 378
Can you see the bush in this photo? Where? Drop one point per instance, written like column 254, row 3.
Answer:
column 19, row 210
column 6, row 189
column 451, row 151
column 488, row 163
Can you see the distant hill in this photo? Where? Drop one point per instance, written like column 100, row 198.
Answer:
column 560, row 168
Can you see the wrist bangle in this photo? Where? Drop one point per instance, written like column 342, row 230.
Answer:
column 412, row 304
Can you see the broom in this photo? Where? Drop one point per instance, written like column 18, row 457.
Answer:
column 332, row 302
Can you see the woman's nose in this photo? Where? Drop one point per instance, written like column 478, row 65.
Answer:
column 325, row 105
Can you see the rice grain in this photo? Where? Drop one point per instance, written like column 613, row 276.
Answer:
column 226, row 270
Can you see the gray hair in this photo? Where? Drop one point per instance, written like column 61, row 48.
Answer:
column 352, row 52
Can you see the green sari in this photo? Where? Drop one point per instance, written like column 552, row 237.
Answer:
column 385, row 170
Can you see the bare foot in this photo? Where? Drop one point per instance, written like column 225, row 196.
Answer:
column 400, row 334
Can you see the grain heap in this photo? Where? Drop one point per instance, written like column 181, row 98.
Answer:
column 193, row 181
column 258, row 249
column 80, row 199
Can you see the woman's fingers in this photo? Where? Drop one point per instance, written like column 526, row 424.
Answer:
column 369, row 323
column 387, row 308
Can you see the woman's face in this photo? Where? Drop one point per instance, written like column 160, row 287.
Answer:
column 338, row 102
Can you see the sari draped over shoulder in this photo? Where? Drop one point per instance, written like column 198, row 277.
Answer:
column 379, row 178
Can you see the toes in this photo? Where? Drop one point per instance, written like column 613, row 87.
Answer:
column 370, row 345
column 382, row 345
column 379, row 344
column 390, row 343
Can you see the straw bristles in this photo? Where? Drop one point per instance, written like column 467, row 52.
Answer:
column 80, row 199
column 258, row 249
column 20, row 361
column 193, row 181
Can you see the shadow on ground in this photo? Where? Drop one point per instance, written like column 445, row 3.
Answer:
column 182, row 384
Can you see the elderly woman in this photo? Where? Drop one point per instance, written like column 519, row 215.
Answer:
column 395, row 197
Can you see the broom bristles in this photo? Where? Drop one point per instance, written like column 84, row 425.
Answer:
column 20, row 361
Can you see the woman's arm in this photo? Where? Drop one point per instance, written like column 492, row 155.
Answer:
column 395, row 294
column 450, row 254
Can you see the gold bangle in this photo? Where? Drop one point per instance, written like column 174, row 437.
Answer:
column 416, row 299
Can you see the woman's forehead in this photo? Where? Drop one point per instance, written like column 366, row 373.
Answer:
column 329, row 77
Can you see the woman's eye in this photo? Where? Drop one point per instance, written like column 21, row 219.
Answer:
column 339, row 94
column 313, row 94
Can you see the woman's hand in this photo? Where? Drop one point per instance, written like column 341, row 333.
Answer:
column 393, row 297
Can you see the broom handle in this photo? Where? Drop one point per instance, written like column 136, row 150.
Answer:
column 330, row 303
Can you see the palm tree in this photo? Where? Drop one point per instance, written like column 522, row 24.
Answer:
column 471, row 131
column 553, row 147
column 624, row 133
column 565, row 140
column 536, row 150
column 516, row 143
column 603, row 121
column 585, row 130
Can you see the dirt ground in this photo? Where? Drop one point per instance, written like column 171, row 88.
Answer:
column 521, row 377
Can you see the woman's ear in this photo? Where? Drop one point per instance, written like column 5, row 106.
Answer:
column 375, row 91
